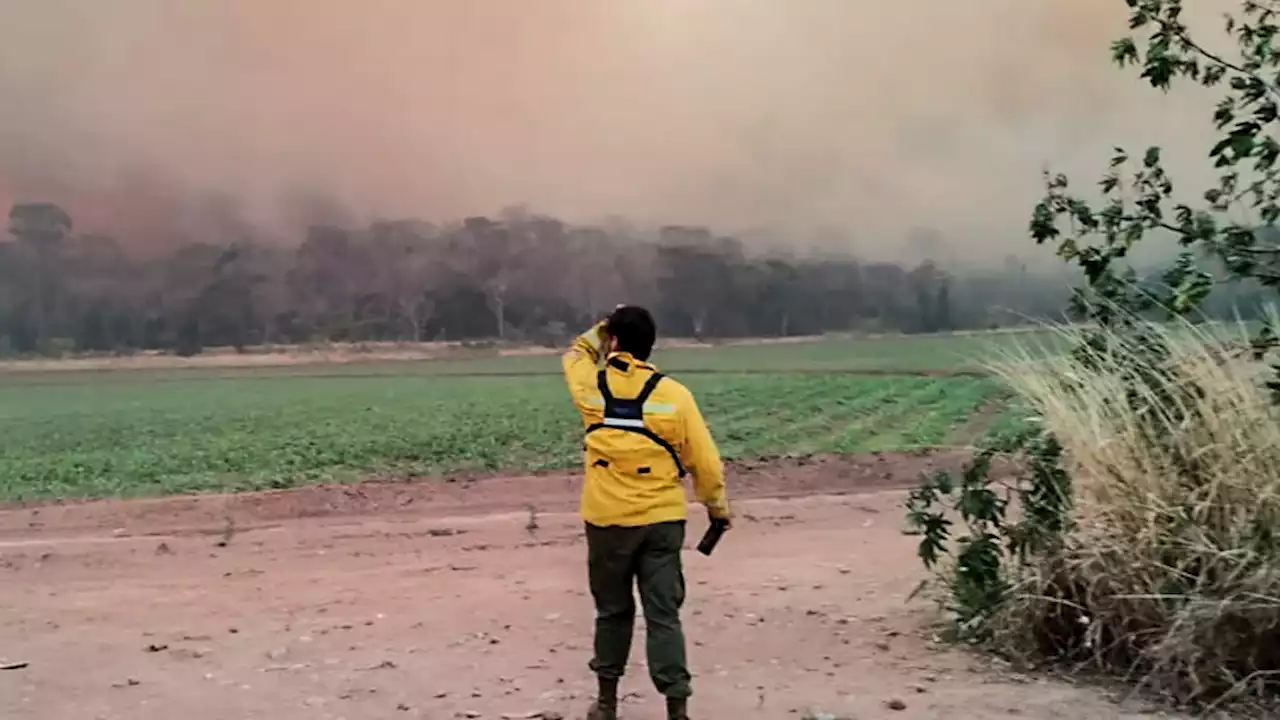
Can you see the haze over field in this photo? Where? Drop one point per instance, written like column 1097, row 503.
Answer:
column 146, row 117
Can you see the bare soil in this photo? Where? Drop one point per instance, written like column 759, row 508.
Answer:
column 970, row 434
column 440, row 599
column 366, row 353
column 275, row 356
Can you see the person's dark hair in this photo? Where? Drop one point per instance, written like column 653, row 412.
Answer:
column 634, row 330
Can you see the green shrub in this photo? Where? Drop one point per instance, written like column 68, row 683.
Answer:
column 1133, row 528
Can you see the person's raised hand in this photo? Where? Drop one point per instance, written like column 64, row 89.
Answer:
column 603, row 341
column 721, row 513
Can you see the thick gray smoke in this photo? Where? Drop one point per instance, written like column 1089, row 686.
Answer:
column 875, row 117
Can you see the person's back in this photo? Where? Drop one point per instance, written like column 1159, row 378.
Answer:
column 644, row 433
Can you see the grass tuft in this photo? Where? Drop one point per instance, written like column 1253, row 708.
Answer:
column 1170, row 574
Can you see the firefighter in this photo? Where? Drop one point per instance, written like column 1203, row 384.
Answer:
column 644, row 433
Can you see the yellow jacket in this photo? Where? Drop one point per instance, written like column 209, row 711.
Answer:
column 632, row 479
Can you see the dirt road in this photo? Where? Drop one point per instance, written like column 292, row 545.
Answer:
column 442, row 600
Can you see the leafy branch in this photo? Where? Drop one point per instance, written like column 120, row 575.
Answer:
column 1234, row 230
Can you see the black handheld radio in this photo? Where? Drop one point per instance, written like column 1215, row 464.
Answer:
column 712, row 536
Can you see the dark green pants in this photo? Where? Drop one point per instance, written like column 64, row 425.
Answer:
column 618, row 559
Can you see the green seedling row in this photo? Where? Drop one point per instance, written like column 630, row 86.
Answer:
column 124, row 437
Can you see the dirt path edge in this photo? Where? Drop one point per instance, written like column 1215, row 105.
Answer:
column 779, row 477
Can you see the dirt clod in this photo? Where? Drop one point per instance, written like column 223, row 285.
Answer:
column 228, row 532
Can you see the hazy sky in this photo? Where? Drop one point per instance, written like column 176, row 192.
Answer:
column 879, row 115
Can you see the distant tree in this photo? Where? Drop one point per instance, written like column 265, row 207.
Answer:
column 405, row 271
column 40, row 228
column 491, row 254
column 942, row 318
column 514, row 275
column 691, row 281
column 39, row 223
column 327, row 280
column 779, row 294
column 186, row 305
column 102, row 294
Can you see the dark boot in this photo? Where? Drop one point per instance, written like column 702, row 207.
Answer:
column 677, row 709
column 606, row 705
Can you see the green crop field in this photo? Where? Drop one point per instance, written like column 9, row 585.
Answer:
column 134, row 433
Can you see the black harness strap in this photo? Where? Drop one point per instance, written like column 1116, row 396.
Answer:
column 628, row 414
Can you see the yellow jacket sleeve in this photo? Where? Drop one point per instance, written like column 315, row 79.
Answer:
column 702, row 458
column 581, row 363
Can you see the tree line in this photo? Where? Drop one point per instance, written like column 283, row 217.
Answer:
column 518, row 277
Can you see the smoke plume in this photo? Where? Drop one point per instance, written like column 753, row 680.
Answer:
column 158, row 120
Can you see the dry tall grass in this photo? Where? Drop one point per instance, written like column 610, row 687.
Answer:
column 1170, row 574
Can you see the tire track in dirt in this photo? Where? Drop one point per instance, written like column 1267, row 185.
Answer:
column 975, row 428
column 775, row 477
